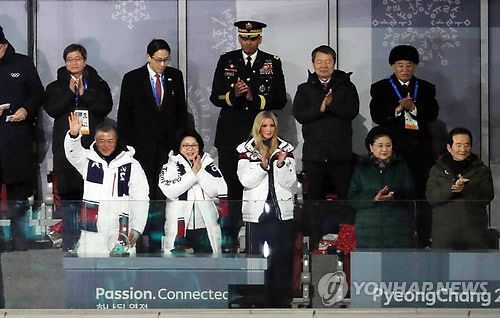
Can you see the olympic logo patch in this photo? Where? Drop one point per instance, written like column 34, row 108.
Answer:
column 15, row 75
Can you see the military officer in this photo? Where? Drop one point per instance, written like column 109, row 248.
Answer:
column 246, row 82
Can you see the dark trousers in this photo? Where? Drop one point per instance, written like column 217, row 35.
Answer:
column 419, row 166
column 199, row 241
column 17, row 196
column 321, row 178
column 150, row 240
column 230, row 226
column 279, row 236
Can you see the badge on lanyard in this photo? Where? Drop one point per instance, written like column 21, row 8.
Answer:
column 83, row 115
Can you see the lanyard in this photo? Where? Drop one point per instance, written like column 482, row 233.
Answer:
column 77, row 93
column 399, row 94
column 153, row 85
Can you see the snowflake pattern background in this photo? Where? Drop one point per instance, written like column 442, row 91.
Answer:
column 431, row 26
column 130, row 12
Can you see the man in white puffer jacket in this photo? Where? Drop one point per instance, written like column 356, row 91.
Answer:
column 191, row 181
column 114, row 184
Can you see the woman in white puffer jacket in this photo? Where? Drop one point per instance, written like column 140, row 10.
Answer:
column 266, row 169
column 191, row 181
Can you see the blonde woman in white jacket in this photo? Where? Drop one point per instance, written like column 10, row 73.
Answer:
column 191, row 181
column 266, row 169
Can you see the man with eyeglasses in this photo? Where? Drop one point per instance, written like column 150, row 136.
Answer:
column 21, row 95
column 246, row 81
column 78, row 88
column 152, row 110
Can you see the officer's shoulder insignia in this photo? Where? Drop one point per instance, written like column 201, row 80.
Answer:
column 276, row 57
column 223, row 53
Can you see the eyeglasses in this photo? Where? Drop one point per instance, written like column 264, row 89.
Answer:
column 159, row 61
column 186, row 147
column 76, row 59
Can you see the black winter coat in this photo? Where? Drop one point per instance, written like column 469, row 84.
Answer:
column 20, row 86
column 60, row 102
column 459, row 220
column 327, row 135
column 408, row 143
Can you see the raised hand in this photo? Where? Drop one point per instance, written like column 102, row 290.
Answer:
column 264, row 161
column 75, row 124
column 282, row 157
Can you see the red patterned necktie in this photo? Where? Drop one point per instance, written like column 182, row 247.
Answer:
column 158, row 88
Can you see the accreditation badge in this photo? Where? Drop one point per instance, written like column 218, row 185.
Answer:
column 83, row 115
column 410, row 122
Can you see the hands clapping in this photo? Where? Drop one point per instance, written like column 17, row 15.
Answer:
column 241, row 88
column 459, row 185
column 406, row 104
column 196, row 164
column 384, row 194
column 326, row 101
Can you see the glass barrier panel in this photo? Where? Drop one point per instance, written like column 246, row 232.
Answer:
column 89, row 255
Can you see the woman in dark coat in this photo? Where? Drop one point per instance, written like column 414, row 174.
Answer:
column 379, row 187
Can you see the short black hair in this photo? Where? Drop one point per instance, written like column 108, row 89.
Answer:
column 75, row 47
column 459, row 131
column 189, row 132
column 324, row 49
column 106, row 126
column 157, row 44
column 374, row 133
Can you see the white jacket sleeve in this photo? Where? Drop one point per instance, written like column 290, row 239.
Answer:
column 172, row 183
column 287, row 175
column 250, row 174
column 139, row 197
column 75, row 153
column 211, row 181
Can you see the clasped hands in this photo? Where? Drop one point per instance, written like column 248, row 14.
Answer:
column 77, row 83
column 406, row 104
column 241, row 88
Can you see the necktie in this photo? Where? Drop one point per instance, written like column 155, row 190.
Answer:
column 325, row 86
column 248, row 66
column 405, row 89
column 158, row 89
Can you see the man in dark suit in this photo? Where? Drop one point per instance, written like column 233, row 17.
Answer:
column 407, row 104
column 152, row 110
column 246, row 82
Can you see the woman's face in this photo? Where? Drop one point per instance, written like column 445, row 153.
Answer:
column 189, row 148
column 382, row 147
column 267, row 129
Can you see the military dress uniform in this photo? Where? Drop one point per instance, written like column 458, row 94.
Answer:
column 266, row 82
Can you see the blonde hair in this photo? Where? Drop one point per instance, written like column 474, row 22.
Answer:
column 260, row 147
